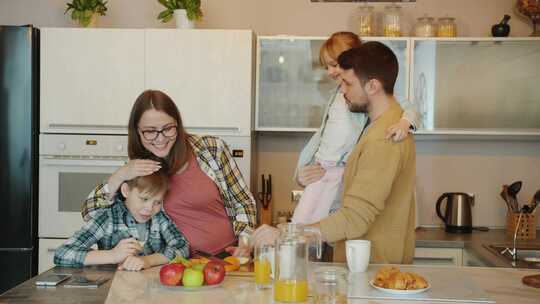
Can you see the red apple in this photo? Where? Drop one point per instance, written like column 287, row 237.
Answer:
column 214, row 273
column 171, row 274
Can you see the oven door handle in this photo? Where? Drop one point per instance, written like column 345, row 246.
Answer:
column 82, row 162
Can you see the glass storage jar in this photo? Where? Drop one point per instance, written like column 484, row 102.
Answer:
column 447, row 27
column 365, row 20
column 392, row 21
column 425, row 27
column 330, row 286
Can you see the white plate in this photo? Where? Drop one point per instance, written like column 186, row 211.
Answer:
column 399, row 291
column 193, row 289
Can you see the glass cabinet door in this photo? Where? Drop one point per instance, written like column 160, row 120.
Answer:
column 292, row 86
column 484, row 86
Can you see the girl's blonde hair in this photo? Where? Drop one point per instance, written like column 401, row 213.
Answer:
column 337, row 44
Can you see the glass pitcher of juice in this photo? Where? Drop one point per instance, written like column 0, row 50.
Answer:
column 291, row 262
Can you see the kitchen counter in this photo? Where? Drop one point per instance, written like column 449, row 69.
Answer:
column 473, row 242
column 502, row 285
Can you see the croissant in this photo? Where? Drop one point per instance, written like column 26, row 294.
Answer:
column 383, row 275
column 419, row 282
column 392, row 278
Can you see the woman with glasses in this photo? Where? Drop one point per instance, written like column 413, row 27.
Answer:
column 208, row 199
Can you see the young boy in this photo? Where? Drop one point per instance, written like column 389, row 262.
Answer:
column 134, row 232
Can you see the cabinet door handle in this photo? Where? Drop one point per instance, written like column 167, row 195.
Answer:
column 51, row 249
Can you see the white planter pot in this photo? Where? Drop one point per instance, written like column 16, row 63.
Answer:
column 181, row 20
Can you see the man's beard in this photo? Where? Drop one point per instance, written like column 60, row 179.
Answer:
column 356, row 108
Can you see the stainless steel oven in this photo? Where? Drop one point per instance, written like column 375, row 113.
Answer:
column 70, row 166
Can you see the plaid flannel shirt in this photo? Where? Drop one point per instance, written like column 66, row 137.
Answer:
column 111, row 225
column 214, row 159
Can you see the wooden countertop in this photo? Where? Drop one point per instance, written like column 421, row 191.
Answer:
column 475, row 242
column 502, row 285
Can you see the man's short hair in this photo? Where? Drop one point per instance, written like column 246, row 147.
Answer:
column 372, row 60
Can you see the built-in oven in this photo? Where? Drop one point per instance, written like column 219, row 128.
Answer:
column 70, row 166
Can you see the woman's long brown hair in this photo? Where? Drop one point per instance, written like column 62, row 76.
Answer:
column 153, row 99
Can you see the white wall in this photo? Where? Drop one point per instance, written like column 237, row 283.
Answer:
column 270, row 17
column 472, row 166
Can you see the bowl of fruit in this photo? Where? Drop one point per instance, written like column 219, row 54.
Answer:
column 193, row 274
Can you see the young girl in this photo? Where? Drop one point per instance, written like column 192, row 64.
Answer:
column 322, row 161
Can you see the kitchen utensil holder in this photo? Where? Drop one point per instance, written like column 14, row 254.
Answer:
column 526, row 228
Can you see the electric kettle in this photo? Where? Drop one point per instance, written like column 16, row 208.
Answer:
column 457, row 216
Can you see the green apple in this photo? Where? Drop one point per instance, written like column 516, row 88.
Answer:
column 192, row 277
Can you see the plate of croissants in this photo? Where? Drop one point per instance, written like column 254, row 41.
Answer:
column 391, row 280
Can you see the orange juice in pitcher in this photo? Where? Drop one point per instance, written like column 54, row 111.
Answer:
column 290, row 291
column 291, row 262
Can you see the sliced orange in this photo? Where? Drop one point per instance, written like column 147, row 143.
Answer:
column 234, row 263
column 195, row 261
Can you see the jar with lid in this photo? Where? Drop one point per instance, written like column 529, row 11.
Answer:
column 425, row 27
column 447, row 27
column 330, row 285
column 365, row 20
column 392, row 21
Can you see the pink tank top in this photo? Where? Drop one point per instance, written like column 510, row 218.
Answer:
column 195, row 206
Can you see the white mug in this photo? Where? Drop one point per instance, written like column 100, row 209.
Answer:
column 358, row 252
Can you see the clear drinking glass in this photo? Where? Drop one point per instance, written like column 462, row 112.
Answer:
column 263, row 266
column 330, row 286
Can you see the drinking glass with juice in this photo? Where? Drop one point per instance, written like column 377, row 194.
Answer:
column 263, row 267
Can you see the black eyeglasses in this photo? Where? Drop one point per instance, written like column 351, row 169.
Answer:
column 150, row 135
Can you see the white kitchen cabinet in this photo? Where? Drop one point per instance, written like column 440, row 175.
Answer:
column 208, row 73
column 438, row 256
column 292, row 86
column 483, row 86
column 89, row 79
column 47, row 247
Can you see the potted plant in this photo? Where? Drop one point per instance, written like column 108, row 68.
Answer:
column 85, row 11
column 185, row 12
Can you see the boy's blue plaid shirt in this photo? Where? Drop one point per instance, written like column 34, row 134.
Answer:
column 111, row 225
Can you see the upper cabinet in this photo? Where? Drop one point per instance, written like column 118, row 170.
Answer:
column 458, row 86
column 475, row 85
column 208, row 73
column 292, row 86
column 89, row 79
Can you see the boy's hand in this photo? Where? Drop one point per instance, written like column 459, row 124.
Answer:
column 398, row 131
column 124, row 249
column 310, row 174
column 134, row 263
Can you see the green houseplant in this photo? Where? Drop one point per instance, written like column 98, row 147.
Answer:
column 85, row 11
column 192, row 7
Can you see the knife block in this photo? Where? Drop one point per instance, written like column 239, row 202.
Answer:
column 266, row 215
column 527, row 226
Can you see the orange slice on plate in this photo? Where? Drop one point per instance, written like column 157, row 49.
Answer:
column 234, row 263
column 196, row 261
